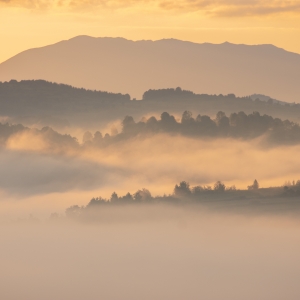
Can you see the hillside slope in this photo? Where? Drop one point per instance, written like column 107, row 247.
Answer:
column 122, row 66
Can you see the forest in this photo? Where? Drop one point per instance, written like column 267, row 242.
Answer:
column 60, row 106
column 52, row 140
column 237, row 125
column 284, row 197
column 272, row 131
column 44, row 95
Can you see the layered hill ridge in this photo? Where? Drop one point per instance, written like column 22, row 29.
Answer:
column 122, row 66
column 41, row 103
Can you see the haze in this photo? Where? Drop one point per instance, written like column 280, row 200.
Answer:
column 49, row 180
column 184, row 254
column 149, row 149
column 119, row 65
column 246, row 22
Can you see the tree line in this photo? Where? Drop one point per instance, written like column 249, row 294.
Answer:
column 42, row 97
column 238, row 125
column 183, row 192
column 48, row 134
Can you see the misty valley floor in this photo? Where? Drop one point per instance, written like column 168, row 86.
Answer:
column 165, row 252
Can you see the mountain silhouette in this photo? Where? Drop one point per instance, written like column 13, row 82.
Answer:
column 122, row 66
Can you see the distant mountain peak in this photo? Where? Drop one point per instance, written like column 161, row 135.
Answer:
column 131, row 67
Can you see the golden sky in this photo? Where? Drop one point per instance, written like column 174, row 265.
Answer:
column 32, row 23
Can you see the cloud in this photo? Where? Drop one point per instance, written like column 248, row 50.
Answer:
column 23, row 173
column 233, row 8
column 219, row 8
column 60, row 4
column 156, row 163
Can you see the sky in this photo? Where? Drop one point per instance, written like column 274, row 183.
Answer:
column 27, row 24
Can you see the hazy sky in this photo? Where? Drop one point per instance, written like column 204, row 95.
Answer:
column 30, row 23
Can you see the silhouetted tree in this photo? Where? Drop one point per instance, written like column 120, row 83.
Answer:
column 87, row 137
column 152, row 124
column 96, row 202
column 142, row 196
column 114, row 197
column 182, row 190
column 186, row 117
column 254, row 186
column 98, row 138
column 128, row 122
column 223, row 123
column 168, row 122
column 168, row 94
column 73, row 211
column 219, row 186
column 126, row 199
column 197, row 189
column 231, row 188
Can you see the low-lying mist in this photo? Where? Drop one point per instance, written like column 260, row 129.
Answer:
column 146, row 252
column 162, row 253
column 53, row 179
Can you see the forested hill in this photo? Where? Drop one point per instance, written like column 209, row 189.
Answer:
column 43, row 95
column 219, row 197
column 41, row 103
column 271, row 132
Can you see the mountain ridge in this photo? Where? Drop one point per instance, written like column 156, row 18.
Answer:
column 159, row 40
column 125, row 66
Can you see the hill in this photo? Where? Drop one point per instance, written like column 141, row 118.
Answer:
column 123, row 66
column 40, row 103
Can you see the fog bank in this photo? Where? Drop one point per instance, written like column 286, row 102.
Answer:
column 53, row 181
column 186, row 255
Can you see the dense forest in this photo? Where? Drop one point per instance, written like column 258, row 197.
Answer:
column 180, row 95
column 237, row 125
column 273, row 131
column 218, row 194
column 41, row 95
column 49, row 135
column 58, row 105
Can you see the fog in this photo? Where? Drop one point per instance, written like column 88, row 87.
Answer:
column 43, row 180
column 172, row 253
column 154, row 251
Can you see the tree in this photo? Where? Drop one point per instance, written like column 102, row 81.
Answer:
column 182, row 190
column 254, row 186
column 222, row 122
column 97, row 137
column 186, row 117
column 220, row 115
column 197, row 189
column 142, row 196
column 87, row 137
column 128, row 123
column 73, row 211
column 114, row 197
column 168, row 122
column 231, row 188
column 96, row 202
column 127, row 198
column 219, row 186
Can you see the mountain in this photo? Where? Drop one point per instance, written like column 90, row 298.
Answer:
column 123, row 66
